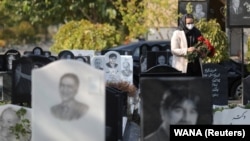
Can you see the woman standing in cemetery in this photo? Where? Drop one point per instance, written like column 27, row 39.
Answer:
column 182, row 42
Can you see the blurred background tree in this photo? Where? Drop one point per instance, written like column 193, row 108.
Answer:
column 85, row 35
column 25, row 21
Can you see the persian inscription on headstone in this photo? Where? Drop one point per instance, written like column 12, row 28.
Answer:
column 68, row 97
column 218, row 76
column 233, row 116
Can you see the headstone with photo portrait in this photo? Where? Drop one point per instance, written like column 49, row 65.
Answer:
column 127, row 68
column 21, row 77
column 98, row 62
column 66, row 54
column 219, row 80
column 9, row 119
column 112, row 66
column 246, row 90
column 9, row 57
column 70, row 95
column 238, row 13
column 163, row 96
column 37, row 51
column 143, row 57
column 200, row 8
column 159, row 58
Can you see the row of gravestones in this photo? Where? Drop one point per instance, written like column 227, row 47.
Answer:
column 75, row 106
column 66, row 101
column 117, row 67
column 16, row 81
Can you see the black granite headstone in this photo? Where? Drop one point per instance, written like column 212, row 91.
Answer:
column 9, row 57
column 218, row 76
column 246, row 90
column 114, row 114
column 2, row 63
column 21, row 77
column 164, row 102
column 66, row 54
column 37, row 51
column 143, row 57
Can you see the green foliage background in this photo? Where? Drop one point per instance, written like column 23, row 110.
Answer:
column 85, row 35
column 212, row 31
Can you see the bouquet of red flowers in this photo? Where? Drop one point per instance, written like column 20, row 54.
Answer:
column 203, row 49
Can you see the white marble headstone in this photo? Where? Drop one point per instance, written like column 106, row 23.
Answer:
column 235, row 116
column 127, row 68
column 68, row 102
column 98, row 62
column 112, row 66
column 9, row 118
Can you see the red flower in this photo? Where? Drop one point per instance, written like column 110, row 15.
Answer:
column 203, row 49
column 211, row 51
column 201, row 38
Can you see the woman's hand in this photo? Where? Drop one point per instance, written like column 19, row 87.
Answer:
column 191, row 49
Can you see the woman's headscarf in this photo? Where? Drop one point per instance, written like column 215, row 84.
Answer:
column 182, row 22
column 193, row 33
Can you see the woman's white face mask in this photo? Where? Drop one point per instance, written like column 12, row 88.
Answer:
column 190, row 26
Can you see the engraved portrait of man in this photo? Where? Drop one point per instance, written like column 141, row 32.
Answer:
column 69, row 109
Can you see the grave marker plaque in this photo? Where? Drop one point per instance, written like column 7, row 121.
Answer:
column 218, row 76
column 68, row 98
